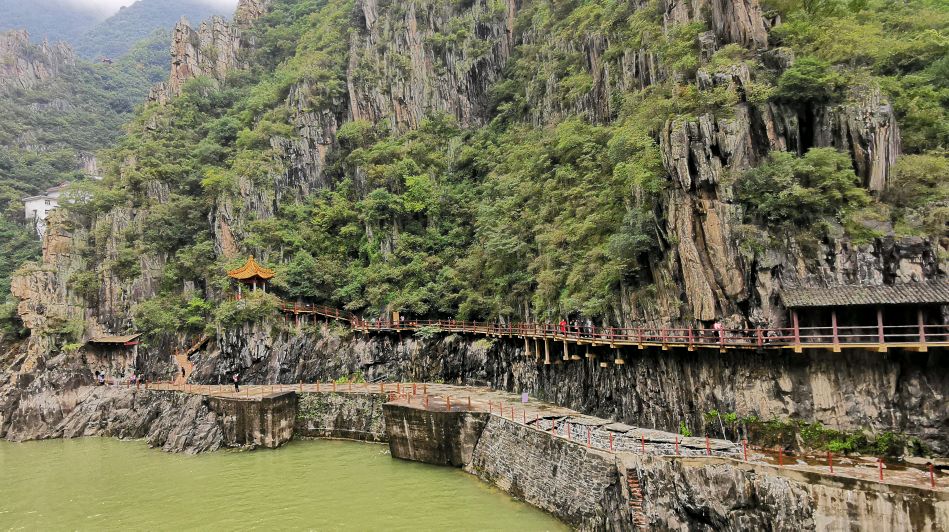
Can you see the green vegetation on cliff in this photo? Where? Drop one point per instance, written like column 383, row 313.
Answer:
column 45, row 130
column 552, row 206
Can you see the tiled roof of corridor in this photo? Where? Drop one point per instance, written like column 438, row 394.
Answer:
column 928, row 292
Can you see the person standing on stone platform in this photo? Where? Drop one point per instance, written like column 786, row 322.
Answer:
column 237, row 378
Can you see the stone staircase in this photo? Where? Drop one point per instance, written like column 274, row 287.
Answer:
column 184, row 360
column 636, row 500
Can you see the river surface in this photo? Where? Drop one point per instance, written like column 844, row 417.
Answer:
column 105, row 484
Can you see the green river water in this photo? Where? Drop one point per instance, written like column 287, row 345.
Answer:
column 105, row 484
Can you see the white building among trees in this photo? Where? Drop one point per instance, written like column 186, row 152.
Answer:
column 37, row 208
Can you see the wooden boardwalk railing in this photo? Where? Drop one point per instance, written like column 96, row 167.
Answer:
column 877, row 337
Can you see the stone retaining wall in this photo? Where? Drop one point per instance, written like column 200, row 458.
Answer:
column 723, row 494
column 266, row 422
column 580, row 486
column 351, row 416
column 433, row 437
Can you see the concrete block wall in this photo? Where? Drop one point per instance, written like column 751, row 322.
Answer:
column 433, row 437
column 351, row 416
column 581, row 486
column 265, row 422
column 723, row 494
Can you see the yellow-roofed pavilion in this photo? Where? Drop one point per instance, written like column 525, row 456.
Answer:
column 251, row 273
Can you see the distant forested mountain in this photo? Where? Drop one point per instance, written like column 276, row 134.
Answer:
column 56, row 111
column 93, row 33
column 117, row 34
column 52, row 19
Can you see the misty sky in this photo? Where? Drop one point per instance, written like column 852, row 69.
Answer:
column 108, row 7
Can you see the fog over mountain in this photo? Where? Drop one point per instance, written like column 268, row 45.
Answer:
column 71, row 20
column 109, row 7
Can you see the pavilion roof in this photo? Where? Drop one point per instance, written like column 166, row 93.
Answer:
column 932, row 292
column 122, row 339
column 250, row 270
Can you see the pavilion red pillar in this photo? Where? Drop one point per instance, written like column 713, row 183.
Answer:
column 797, row 329
column 880, row 335
column 833, row 324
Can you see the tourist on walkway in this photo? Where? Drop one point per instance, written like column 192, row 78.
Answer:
column 237, row 378
column 563, row 326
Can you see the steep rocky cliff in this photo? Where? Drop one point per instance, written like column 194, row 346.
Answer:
column 896, row 392
column 402, row 63
column 301, row 152
column 23, row 64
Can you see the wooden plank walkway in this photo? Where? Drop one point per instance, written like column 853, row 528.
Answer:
column 879, row 337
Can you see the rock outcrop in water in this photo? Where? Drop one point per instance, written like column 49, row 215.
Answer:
column 170, row 421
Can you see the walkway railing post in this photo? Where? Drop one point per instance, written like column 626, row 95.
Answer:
column 797, row 330
column 833, row 325
column 881, row 338
column 922, row 327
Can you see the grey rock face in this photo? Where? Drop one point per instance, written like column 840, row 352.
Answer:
column 853, row 390
column 24, row 65
column 397, row 75
column 173, row 422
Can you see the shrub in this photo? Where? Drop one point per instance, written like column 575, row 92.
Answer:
column 809, row 81
column 684, row 430
column 254, row 307
column 85, row 284
column 791, row 190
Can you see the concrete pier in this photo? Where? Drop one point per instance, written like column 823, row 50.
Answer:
column 265, row 421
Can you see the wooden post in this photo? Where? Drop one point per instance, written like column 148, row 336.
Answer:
column 922, row 329
column 881, row 338
column 797, row 331
column 527, row 348
column 833, row 326
column 546, row 352
column 566, row 350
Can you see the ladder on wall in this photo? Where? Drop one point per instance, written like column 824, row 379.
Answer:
column 635, row 492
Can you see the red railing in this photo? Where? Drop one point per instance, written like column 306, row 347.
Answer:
column 681, row 336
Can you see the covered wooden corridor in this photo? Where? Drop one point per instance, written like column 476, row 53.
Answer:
column 837, row 318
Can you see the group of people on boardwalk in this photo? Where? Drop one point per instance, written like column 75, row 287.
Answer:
column 103, row 379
